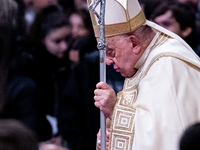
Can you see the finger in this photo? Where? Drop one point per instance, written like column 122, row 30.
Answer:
column 107, row 129
column 99, row 144
column 97, row 92
column 97, row 104
column 107, row 132
column 98, row 98
column 107, row 145
column 102, row 85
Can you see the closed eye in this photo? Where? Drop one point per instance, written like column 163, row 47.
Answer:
column 110, row 52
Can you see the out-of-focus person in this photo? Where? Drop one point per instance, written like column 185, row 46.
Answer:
column 33, row 7
column 80, row 22
column 192, row 3
column 84, row 40
column 190, row 138
column 79, row 118
column 178, row 18
column 40, row 4
column 10, row 18
column 148, row 6
column 39, row 70
column 14, row 135
column 80, row 4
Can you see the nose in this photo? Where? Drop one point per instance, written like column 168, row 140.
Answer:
column 109, row 61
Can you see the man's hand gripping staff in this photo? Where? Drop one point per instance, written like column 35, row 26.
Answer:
column 105, row 98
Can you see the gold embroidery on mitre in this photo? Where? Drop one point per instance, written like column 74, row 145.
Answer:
column 121, row 28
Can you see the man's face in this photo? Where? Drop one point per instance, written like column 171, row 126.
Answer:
column 169, row 22
column 120, row 54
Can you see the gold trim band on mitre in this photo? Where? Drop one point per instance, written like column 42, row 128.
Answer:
column 121, row 28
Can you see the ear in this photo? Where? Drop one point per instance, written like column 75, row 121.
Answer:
column 135, row 44
column 186, row 32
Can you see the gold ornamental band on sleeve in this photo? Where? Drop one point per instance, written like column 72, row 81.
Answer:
column 120, row 28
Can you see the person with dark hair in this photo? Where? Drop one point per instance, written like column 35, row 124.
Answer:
column 32, row 7
column 9, row 27
column 190, row 139
column 149, row 6
column 84, row 40
column 81, row 23
column 178, row 18
column 78, row 118
column 14, row 135
column 191, row 3
column 39, row 70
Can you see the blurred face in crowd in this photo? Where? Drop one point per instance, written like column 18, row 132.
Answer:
column 192, row 3
column 78, row 27
column 80, row 4
column 122, row 54
column 167, row 21
column 57, row 41
column 189, row 1
column 43, row 3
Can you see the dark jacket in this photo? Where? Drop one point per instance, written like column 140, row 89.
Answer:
column 34, row 86
column 79, row 119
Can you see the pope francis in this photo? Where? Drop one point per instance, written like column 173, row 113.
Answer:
column 160, row 97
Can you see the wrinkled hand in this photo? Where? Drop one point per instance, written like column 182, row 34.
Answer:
column 107, row 138
column 105, row 98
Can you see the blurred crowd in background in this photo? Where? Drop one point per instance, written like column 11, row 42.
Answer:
column 49, row 67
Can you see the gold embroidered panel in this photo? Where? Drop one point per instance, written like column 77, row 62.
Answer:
column 122, row 133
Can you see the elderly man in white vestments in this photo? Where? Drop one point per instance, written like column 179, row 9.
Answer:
column 160, row 97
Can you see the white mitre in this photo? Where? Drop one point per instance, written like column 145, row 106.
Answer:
column 124, row 16
column 121, row 16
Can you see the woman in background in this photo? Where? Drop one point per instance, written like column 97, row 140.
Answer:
column 40, row 68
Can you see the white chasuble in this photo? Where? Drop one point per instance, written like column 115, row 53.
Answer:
column 160, row 101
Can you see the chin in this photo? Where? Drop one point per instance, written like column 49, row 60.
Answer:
column 123, row 75
column 127, row 75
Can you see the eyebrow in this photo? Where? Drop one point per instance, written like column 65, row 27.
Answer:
column 109, row 48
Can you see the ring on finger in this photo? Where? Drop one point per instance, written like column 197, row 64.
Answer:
column 99, row 141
